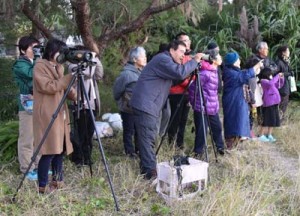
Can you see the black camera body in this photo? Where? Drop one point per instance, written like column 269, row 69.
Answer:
column 210, row 55
column 38, row 51
column 74, row 56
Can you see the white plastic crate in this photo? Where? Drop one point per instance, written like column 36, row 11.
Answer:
column 190, row 180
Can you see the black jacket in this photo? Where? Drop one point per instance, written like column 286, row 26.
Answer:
column 283, row 67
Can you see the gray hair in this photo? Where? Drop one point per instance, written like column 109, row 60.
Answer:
column 261, row 45
column 135, row 53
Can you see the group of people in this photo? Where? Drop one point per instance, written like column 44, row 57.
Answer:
column 151, row 96
column 180, row 79
column 42, row 82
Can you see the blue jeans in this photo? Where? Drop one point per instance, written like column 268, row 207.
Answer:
column 146, row 128
column 129, row 133
column 56, row 162
column 216, row 129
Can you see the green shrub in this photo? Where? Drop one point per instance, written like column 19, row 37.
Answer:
column 9, row 92
column 8, row 141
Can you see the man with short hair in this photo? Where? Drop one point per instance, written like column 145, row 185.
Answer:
column 150, row 94
column 179, row 100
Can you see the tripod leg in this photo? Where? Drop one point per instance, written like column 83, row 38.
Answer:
column 100, row 146
column 173, row 117
column 54, row 116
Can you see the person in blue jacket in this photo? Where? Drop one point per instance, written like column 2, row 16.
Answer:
column 235, row 107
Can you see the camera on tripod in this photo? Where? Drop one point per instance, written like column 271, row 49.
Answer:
column 74, row 56
column 38, row 51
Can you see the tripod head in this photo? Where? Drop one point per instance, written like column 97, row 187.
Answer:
column 81, row 66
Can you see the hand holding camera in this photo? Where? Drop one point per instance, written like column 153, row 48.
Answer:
column 198, row 57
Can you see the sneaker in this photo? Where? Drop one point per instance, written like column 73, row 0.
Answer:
column 32, row 176
column 263, row 138
column 271, row 138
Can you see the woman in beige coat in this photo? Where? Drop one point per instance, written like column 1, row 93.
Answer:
column 49, row 85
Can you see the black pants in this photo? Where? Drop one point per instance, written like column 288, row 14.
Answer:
column 129, row 133
column 146, row 128
column 83, row 145
column 216, row 129
column 179, row 120
column 283, row 106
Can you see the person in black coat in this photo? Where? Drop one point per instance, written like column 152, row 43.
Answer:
column 283, row 64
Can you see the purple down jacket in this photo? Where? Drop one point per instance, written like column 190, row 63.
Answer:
column 209, row 82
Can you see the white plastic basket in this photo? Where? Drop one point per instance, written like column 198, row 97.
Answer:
column 190, row 180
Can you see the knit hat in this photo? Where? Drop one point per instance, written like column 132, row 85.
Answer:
column 212, row 45
column 231, row 58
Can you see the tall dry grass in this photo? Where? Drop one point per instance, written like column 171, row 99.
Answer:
column 255, row 179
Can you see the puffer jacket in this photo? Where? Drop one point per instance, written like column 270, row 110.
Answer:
column 209, row 82
column 270, row 88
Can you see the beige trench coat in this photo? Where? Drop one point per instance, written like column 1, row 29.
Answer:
column 49, row 85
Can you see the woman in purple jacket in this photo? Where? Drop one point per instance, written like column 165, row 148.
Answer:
column 271, row 100
column 209, row 83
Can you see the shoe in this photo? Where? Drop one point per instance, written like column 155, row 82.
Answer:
column 32, row 176
column 198, row 156
column 263, row 138
column 221, row 151
column 50, row 172
column 151, row 175
column 132, row 155
column 271, row 138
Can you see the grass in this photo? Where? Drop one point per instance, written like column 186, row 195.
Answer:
column 255, row 179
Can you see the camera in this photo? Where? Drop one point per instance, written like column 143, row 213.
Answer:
column 74, row 55
column 210, row 55
column 38, row 51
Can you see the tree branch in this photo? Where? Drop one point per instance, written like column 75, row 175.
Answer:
column 110, row 35
column 34, row 19
column 82, row 17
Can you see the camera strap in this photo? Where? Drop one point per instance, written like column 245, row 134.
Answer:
column 179, row 176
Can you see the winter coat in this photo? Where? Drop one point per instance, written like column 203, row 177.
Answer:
column 152, row 88
column 270, row 88
column 209, row 81
column 180, row 86
column 284, row 68
column 49, row 85
column 23, row 71
column 235, row 107
column 123, row 87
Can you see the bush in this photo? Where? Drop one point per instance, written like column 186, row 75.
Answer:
column 9, row 91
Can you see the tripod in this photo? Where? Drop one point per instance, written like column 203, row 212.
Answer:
column 79, row 76
column 202, row 103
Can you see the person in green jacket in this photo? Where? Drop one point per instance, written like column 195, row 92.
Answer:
column 23, row 76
